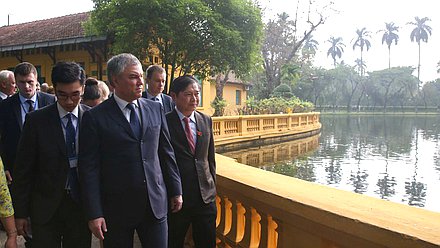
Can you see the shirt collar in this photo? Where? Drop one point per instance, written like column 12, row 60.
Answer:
column 191, row 117
column 122, row 103
column 23, row 100
column 149, row 96
column 62, row 112
column 3, row 95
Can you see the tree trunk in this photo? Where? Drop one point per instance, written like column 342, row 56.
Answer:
column 219, row 85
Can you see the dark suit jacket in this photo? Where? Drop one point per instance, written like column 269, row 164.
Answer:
column 167, row 101
column 120, row 175
column 197, row 171
column 11, row 125
column 42, row 165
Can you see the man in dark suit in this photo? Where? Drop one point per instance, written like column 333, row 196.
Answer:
column 193, row 142
column 46, row 186
column 127, row 168
column 7, row 84
column 155, row 80
column 14, row 109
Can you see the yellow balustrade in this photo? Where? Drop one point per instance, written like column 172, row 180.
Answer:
column 258, row 208
column 231, row 129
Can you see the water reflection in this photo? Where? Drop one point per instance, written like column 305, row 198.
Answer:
column 396, row 158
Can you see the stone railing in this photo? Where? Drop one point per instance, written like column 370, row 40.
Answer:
column 257, row 208
column 230, row 129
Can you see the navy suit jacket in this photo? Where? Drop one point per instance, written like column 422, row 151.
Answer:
column 198, row 171
column 41, row 166
column 11, row 125
column 167, row 101
column 121, row 176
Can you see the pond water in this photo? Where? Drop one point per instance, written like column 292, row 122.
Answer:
column 392, row 157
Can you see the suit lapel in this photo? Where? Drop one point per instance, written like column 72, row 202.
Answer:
column 55, row 125
column 119, row 118
column 181, row 135
column 200, row 125
column 144, row 110
column 16, row 105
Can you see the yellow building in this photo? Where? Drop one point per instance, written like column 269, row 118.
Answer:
column 45, row 42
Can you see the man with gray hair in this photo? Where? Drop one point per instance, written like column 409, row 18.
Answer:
column 7, row 84
column 155, row 80
column 127, row 168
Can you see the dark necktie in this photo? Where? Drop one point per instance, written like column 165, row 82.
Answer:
column 189, row 135
column 72, row 177
column 31, row 105
column 134, row 121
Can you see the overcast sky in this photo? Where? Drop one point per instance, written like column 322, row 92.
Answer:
column 352, row 15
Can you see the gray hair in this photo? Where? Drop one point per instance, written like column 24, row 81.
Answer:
column 152, row 69
column 118, row 63
column 4, row 75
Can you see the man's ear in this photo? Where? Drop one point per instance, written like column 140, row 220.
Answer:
column 173, row 95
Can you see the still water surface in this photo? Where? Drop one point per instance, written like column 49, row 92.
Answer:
column 391, row 157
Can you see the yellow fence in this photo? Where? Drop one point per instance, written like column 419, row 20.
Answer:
column 229, row 129
column 257, row 208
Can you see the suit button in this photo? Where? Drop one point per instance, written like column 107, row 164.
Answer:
column 145, row 181
column 195, row 160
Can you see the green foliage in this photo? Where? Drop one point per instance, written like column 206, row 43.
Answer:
column 202, row 37
column 219, row 106
column 276, row 105
column 283, row 90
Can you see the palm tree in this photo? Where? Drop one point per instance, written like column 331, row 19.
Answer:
column 360, row 65
column 390, row 35
column 420, row 33
column 310, row 47
column 362, row 41
column 336, row 49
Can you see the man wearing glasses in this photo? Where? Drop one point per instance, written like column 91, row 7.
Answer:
column 46, row 186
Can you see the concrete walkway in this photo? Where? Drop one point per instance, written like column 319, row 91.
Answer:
column 95, row 241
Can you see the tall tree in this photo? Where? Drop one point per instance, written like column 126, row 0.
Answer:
column 390, row 35
column 360, row 65
column 361, row 41
column 201, row 37
column 283, row 38
column 309, row 48
column 421, row 32
column 336, row 49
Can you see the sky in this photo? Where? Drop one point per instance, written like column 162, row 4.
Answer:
column 342, row 21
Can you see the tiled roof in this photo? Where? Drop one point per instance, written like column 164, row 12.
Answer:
column 58, row 28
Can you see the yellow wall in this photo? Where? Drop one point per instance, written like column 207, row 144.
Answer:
column 229, row 92
column 38, row 58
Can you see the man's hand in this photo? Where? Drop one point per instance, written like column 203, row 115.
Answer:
column 176, row 203
column 23, row 226
column 8, row 176
column 98, row 227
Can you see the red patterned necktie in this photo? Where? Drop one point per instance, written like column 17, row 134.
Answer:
column 189, row 135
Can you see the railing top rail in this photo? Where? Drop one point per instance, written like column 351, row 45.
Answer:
column 218, row 118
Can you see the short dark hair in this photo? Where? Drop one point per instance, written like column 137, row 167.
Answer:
column 152, row 69
column 181, row 83
column 24, row 69
column 67, row 72
column 91, row 90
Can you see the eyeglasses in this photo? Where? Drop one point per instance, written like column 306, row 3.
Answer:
column 73, row 97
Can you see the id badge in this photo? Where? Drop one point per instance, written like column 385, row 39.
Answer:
column 73, row 162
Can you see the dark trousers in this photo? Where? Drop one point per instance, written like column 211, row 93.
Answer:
column 202, row 219
column 152, row 232
column 67, row 227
